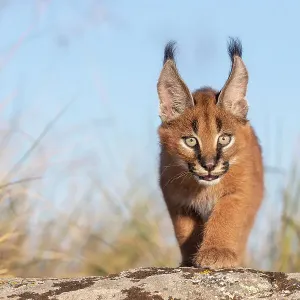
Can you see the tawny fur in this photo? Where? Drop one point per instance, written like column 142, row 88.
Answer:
column 211, row 223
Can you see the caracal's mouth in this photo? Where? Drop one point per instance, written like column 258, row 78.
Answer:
column 209, row 177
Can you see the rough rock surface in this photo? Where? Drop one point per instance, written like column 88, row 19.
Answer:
column 159, row 284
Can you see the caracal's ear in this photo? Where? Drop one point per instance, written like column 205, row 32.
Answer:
column 232, row 96
column 173, row 93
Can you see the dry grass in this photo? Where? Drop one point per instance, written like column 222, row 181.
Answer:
column 87, row 229
column 81, row 241
column 93, row 227
column 92, row 230
column 288, row 258
column 91, row 238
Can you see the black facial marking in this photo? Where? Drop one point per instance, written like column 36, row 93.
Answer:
column 219, row 152
column 199, row 158
column 191, row 167
column 202, row 162
column 219, row 124
column 226, row 166
column 198, row 152
column 195, row 126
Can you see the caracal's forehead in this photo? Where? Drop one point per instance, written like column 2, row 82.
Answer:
column 207, row 119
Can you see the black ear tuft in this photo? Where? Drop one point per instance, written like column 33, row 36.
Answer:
column 234, row 47
column 170, row 51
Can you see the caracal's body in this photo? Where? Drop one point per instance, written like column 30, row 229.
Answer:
column 211, row 170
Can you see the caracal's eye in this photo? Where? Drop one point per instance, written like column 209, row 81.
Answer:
column 224, row 139
column 190, row 141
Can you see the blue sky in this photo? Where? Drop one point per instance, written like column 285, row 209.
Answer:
column 110, row 66
column 107, row 55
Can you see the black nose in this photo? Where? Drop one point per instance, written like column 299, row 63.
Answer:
column 208, row 165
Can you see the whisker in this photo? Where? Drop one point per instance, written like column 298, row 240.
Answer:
column 180, row 176
column 170, row 166
column 176, row 177
column 188, row 174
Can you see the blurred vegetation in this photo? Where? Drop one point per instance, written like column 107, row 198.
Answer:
column 84, row 237
column 113, row 234
column 96, row 227
column 288, row 259
column 72, row 234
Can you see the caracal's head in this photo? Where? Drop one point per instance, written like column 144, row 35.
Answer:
column 204, row 131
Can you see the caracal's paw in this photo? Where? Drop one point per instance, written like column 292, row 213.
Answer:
column 186, row 263
column 215, row 258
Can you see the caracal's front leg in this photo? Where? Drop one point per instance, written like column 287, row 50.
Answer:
column 188, row 228
column 225, row 234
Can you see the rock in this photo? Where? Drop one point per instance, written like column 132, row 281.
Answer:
column 159, row 284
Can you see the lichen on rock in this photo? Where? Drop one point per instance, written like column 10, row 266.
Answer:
column 159, row 284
